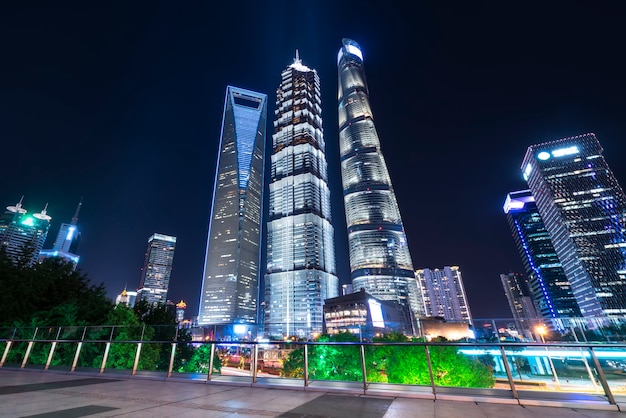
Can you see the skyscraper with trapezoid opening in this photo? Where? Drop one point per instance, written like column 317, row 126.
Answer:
column 300, row 246
column 379, row 255
column 231, row 269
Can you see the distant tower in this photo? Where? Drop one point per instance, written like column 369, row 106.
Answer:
column 300, row 246
column 444, row 293
column 518, row 295
column 379, row 254
column 548, row 284
column 157, row 268
column 584, row 211
column 231, row 268
column 66, row 243
column 21, row 232
column 180, row 311
column 127, row 298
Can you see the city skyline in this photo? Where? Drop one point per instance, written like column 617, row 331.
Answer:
column 100, row 96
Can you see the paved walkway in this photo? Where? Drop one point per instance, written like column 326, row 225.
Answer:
column 48, row 394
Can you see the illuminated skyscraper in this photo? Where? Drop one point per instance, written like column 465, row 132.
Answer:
column 157, row 268
column 379, row 255
column 300, row 246
column 584, row 211
column 231, row 268
column 66, row 243
column 444, row 293
column 548, row 284
column 22, row 234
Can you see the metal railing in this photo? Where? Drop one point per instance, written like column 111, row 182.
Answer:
column 590, row 373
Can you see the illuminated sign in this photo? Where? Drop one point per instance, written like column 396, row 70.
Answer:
column 376, row 313
column 543, row 155
column 240, row 329
column 70, row 233
column 561, row 152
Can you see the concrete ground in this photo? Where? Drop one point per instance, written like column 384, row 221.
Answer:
column 27, row 393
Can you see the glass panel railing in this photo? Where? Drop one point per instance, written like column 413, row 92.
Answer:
column 454, row 368
column 335, row 362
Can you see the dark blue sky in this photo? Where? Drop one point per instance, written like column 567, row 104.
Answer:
column 121, row 103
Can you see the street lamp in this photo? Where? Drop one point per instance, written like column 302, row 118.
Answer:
column 541, row 330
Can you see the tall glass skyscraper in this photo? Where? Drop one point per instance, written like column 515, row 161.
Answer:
column 444, row 293
column 157, row 269
column 517, row 291
column 547, row 282
column 379, row 255
column 231, row 268
column 584, row 210
column 23, row 235
column 300, row 247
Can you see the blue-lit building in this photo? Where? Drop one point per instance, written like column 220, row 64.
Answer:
column 157, row 269
column 380, row 261
column 547, row 282
column 231, row 270
column 22, row 235
column 584, row 211
column 300, row 237
column 65, row 245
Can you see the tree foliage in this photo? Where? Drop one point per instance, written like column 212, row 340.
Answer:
column 404, row 364
column 49, row 293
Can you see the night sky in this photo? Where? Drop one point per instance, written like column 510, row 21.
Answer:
column 120, row 103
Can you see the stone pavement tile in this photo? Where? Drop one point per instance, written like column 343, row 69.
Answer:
column 406, row 407
column 455, row 409
column 492, row 410
column 558, row 412
column 341, row 406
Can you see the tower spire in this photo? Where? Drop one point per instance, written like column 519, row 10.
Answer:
column 75, row 217
column 43, row 214
column 297, row 59
column 18, row 207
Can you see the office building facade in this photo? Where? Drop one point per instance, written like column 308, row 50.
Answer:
column 157, row 269
column 231, row 268
column 380, row 261
column 444, row 293
column 584, row 211
column 65, row 245
column 22, row 236
column 300, row 237
column 548, row 284
column 521, row 303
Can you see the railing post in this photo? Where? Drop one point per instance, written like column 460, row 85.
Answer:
column 211, row 362
column 6, row 353
column 106, row 356
column 603, row 382
column 136, row 363
column 254, row 362
column 430, row 371
column 54, row 345
column 306, row 365
column 75, row 362
column 363, row 367
column 169, row 370
column 30, row 346
column 508, row 373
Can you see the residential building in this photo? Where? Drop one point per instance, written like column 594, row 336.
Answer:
column 444, row 293
column 518, row 295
